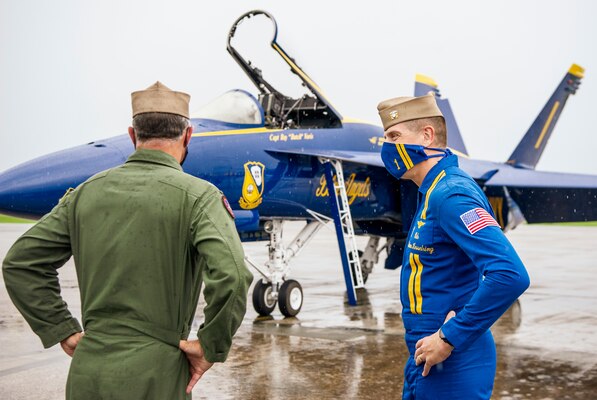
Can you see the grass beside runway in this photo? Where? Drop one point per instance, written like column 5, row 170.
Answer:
column 588, row 223
column 5, row 219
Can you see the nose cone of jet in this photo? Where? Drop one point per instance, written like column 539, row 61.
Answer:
column 31, row 189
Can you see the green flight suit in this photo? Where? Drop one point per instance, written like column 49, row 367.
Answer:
column 144, row 237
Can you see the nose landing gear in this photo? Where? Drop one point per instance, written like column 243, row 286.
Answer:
column 275, row 287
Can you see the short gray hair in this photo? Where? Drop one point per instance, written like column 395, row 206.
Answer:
column 438, row 123
column 156, row 125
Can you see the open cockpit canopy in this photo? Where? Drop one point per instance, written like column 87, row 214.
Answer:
column 281, row 111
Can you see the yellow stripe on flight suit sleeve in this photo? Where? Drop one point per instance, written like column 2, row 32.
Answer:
column 415, row 297
column 418, row 295
column 411, row 284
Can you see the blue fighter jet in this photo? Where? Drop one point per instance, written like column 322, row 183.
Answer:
column 278, row 158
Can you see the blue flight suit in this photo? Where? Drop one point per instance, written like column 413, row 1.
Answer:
column 446, row 267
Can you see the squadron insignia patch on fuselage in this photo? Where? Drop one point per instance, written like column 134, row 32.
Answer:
column 253, row 185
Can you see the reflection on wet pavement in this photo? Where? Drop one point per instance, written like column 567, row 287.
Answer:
column 546, row 344
column 297, row 363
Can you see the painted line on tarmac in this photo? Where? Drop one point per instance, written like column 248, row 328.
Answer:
column 31, row 365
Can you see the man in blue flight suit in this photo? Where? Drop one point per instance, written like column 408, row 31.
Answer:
column 459, row 272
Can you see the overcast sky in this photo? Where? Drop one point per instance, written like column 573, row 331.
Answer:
column 67, row 67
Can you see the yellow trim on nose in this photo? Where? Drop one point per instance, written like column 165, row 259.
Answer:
column 404, row 156
column 435, row 181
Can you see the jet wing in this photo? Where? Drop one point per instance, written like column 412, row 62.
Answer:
column 518, row 177
column 550, row 196
column 479, row 170
column 541, row 196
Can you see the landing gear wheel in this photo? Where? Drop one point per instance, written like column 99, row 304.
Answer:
column 263, row 301
column 290, row 298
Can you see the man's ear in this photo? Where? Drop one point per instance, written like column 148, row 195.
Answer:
column 132, row 136
column 429, row 135
column 187, row 136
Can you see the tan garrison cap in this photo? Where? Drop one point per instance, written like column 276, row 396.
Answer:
column 402, row 109
column 159, row 98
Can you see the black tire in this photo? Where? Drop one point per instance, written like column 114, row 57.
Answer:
column 263, row 303
column 290, row 298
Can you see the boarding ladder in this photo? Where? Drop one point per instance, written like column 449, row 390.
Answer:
column 344, row 228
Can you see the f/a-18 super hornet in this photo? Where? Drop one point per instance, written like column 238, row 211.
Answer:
column 280, row 158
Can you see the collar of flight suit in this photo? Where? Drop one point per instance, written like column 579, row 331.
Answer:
column 154, row 157
column 448, row 161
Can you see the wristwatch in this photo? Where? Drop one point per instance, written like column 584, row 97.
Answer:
column 443, row 337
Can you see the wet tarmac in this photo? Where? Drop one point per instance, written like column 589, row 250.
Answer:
column 547, row 346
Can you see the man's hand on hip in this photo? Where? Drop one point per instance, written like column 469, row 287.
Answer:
column 432, row 349
column 198, row 365
column 70, row 343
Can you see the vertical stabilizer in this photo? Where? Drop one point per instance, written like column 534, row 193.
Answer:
column 531, row 147
column 424, row 85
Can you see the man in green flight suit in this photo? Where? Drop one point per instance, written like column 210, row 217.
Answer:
column 144, row 237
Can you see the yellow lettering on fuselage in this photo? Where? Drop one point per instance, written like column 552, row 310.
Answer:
column 354, row 189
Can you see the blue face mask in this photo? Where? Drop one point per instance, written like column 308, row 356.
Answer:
column 399, row 158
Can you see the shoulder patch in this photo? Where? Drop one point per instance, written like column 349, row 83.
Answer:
column 227, row 206
column 477, row 219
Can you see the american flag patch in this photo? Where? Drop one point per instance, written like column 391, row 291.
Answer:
column 477, row 219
